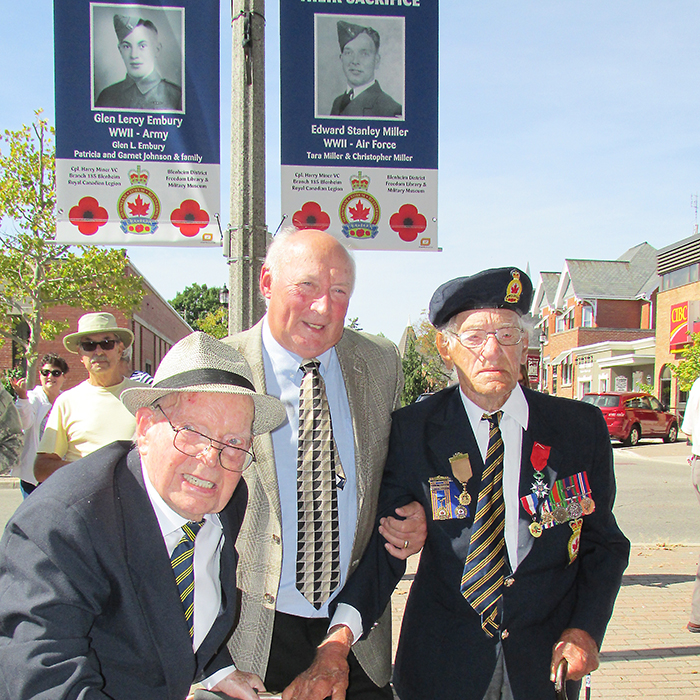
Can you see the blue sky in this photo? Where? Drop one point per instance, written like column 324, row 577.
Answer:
column 567, row 130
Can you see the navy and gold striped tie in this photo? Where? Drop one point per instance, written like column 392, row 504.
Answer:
column 484, row 569
column 181, row 560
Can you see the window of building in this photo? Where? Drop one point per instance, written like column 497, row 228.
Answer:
column 677, row 278
column 586, row 316
column 565, row 321
column 602, row 384
column 665, row 385
column 566, row 371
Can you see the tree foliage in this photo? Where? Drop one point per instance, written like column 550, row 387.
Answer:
column 196, row 301
column 688, row 369
column 423, row 368
column 37, row 274
column 214, row 322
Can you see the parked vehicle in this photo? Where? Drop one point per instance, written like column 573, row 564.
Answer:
column 632, row 415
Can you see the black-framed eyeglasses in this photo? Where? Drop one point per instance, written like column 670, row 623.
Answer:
column 192, row 443
column 476, row 337
column 91, row 345
column 53, row 372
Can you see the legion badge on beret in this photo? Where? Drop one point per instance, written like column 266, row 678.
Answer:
column 347, row 32
column 497, row 288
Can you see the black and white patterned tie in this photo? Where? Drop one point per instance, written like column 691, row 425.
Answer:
column 318, row 535
column 182, row 560
column 484, row 569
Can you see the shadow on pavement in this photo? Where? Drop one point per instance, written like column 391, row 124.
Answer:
column 656, row 580
column 655, row 653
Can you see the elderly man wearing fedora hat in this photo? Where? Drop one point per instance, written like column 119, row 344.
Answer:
column 89, row 415
column 118, row 576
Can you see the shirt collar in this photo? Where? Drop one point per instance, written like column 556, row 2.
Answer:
column 286, row 363
column 359, row 90
column 515, row 407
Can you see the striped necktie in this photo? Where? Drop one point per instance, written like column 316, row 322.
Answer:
column 181, row 560
column 318, row 534
column 484, row 569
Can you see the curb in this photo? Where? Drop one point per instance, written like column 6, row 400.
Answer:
column 9, row 482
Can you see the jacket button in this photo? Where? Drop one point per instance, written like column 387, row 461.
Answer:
column 509, row 582
column 505, row 634
column 276, row 539
column 269, row 598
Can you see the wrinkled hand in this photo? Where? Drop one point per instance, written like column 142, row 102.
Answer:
column 412, row 530
column 580, row 651
column 20, row 387
column 240, row 685
column 328, row 674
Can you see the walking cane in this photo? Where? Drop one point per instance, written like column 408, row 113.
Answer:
column 560, row 680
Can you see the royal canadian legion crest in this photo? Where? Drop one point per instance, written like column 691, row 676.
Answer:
column 138, row 206
column 359, row 211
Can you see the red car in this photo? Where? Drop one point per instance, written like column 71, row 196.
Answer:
column 631, row 415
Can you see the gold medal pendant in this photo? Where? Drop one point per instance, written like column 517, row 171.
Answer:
column 535, row 529
column 587, row 505
column 464, row 498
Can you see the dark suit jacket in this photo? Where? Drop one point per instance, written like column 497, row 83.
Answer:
column 443, row 651
column 89, row 607
column 373, row 102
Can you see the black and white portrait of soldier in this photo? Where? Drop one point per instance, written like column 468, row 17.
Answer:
column 137, row 58
column 366, row 49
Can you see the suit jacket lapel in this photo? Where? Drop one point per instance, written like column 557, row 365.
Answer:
column 152, row 576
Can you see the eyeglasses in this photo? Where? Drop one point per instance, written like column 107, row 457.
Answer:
column 475, row 337
column 53, row 372
column 194, row 444
column 91, row 345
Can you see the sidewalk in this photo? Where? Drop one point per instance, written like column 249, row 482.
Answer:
column 647, row 650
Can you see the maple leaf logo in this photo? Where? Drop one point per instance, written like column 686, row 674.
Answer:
column 139, row 207
column 359, row 213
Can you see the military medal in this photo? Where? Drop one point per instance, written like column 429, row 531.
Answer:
column 575, row 539
column 462, row 469
column 587, row 505
column 529, row 504
column 574, row 509
column 535, row 529
column 440, row 497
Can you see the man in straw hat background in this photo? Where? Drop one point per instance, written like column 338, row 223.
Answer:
column 89, row 415
column 118, row 576
column 523, row 559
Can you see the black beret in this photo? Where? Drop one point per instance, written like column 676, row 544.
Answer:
column 497, row 288
column 347, row 32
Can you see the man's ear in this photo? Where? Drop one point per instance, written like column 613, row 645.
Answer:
column 145, row 418
column 265, row 281
column 443, row 348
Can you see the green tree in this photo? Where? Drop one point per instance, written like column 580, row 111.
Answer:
column 196, row 301
column 433, row 366
column 688, row 369
column 214, row 322
column 35, row 272
column 354, row 323
column 415, row 380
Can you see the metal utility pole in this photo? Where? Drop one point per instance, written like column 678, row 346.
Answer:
column 246, row 241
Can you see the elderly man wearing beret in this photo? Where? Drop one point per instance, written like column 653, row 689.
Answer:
column 143, row 87
column 118, row 576
column 359, row 58
column 523, row 559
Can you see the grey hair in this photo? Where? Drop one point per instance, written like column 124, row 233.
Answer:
column 278, row 252
column 127, row 353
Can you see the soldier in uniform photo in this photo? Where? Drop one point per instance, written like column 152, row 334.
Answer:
column 359, row 58
column 143, row 87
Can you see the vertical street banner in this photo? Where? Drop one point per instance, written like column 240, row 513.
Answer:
column 359, row 81
column 137, row 122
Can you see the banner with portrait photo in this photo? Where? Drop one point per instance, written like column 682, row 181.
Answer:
column 359, row 84
column 137, row 122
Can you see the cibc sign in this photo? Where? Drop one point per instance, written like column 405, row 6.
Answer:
column 684, row 320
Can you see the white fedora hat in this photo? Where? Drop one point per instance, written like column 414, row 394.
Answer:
column 200, row 363
column 101, row 322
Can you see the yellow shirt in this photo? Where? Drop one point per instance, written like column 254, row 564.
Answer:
column 85, row 418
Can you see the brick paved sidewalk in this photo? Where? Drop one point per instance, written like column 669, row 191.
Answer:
column 647, row 650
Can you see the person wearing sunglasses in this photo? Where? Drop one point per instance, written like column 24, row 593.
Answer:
column 119, row 573
column 33, row 406
column 90, row 415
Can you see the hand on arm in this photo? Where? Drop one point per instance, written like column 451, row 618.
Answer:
column 328, row 674
column 580, row 651
column 240, row 685
column 46, row 464
column 411, row 529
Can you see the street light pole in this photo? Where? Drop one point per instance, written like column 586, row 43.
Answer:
column 245, row 243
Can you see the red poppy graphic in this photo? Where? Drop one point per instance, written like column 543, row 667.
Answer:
column 311, row 216
column 88, row 216
column 408, row 223
column 189, row 218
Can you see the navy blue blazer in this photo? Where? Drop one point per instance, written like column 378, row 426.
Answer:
column 89, row 607
column 443, row 651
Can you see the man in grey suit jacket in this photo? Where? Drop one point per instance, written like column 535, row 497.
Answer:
column 307, row 280
column 93, row 602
